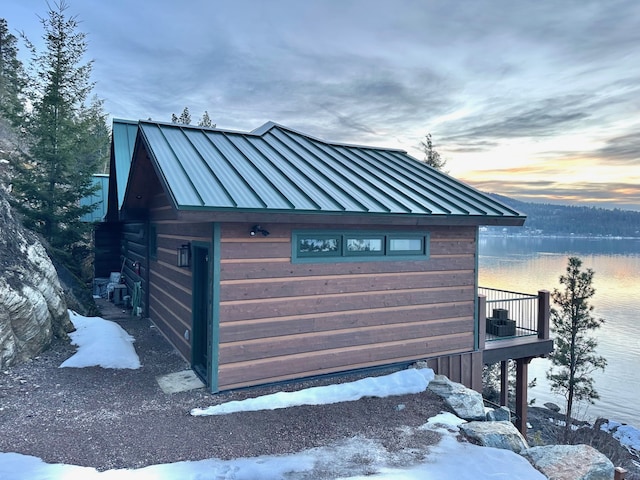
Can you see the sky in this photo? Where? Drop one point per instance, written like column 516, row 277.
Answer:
column 539, row 101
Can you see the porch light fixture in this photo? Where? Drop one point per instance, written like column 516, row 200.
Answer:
column 258, row 229
column 184, row 255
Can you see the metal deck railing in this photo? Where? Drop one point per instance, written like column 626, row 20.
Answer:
column 522, row 308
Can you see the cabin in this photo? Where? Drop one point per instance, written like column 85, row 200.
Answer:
column 271, row 255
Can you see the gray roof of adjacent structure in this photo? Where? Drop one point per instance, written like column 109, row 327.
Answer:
column 278, row 169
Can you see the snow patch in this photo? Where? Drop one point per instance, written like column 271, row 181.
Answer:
column 627, row 435
column 404, row 382
column 101, row 343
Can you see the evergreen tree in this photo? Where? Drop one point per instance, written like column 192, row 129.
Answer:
column 573, row 359
column 67, row 139
column 11, row 77
column 183, row 119
column 205, row 121
column 431, row 156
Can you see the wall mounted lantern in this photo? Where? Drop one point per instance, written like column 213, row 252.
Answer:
column 184, row 255
column 256, row 229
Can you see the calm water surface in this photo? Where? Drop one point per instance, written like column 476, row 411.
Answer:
column 532, row 264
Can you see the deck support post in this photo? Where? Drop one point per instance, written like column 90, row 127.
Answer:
column 619, row 473
column 522, row 373
column 504, row 383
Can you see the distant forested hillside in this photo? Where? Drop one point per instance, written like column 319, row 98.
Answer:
column 550, row 219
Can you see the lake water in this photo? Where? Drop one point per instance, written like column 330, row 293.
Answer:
column 527, row 264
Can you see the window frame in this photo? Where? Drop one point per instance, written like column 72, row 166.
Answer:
column 319, row 236
column 344, row 255
column 363, row 253
column 400, row 236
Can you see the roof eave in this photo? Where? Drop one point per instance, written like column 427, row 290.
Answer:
column 374, row 217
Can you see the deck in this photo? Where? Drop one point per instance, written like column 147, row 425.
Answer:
column 513, row 326
column 516, row 324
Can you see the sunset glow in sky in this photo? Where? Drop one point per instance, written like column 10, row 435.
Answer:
column 535, row 100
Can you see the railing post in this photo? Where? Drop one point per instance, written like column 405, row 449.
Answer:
column 482, row 321
column 619, row 473
column 544, row 314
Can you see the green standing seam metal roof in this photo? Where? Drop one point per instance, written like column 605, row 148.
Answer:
column 97, row 198
column 275, row 168
column 124, row 137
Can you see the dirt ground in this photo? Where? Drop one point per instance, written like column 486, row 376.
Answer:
column 122, row 419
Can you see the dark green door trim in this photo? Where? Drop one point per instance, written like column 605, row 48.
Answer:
column 201, row 308
column 214, row 333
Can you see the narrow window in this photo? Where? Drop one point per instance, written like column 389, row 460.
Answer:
column 153, row 242
column 364, row 245
column 318, row 245
column 406, row 245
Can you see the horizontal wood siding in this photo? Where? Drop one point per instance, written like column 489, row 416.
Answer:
column 170, row 286
column 280, row 320
column 134, row 249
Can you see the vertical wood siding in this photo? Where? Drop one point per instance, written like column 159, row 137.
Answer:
column 280, row 320
column 465, row 368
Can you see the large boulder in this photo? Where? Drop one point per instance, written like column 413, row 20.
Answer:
column 32, row 306
column 502, row 435
column 570, row 462
column 502, row 414
column 465, row 403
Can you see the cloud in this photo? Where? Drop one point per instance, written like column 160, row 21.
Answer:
column 525, row 119
column 606, row 194
column 620, row 150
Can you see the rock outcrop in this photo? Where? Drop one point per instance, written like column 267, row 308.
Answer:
column 570, row 462
column 32, row 306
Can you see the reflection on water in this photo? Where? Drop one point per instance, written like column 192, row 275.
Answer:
column 532, row 264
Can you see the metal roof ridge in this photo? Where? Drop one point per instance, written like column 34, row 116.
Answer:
column 124, row 120
column 263, row 129
column 193, row 127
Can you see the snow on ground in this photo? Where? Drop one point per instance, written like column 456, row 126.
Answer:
column 104, row 343
column 627, row 435
column 356, row 458
column 100, row 343
column 399, row 383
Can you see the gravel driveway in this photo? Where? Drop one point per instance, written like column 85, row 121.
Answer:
column 122, row 419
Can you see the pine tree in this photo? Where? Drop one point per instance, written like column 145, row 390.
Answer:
column 67, row 138
column 205, row 121
column 183, row 119
column 573, row 359
column 431, row 156
column 11, row 77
